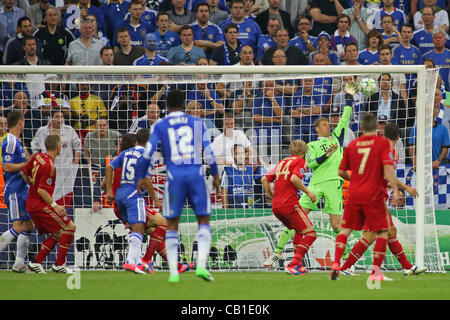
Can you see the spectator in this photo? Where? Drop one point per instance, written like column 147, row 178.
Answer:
column 371, row 55
column 324, row 14
column 351, row 54
column 127, row 54
column 137, row 27
column 398, row 79
column 98, row 34
column 85, row 51
column 252, row 159
column 335, row 116
column 398, row 16
column 165, row 38
column 360, row 22
column 440, row 15
column 21, row 103
column 266, row 41
column 230, row 82
column 324, row 47
column 440, row 142
column 34, row 81
column 390, row 32
column 303, row 40
column 237, row 182
column 36, row 13
column 216, row 15
column 76, row 13
column 212, row 104
column 207, row 36
column 14, row 47
column 113, row 11
column 405, row 53
column 440, row 55
column 296, row 9
column 186, row 53
column 341, row 36
column 9, row 15
column 382, row 121
column 150, row 58
column 249, row 31
column 100, row 143
column 54, row 37
column 195, row 108
column 107, row 56
column 294, row 55
column 228, row 53
column 274, row 11
column 67, row 162
column 248, row 10
column 86, row 108
column 180, row 16
column 51, row 97
column 267, row 118
column 388, row 103
column 145, row 122
column 224, row 143
column 7, row 92
column 417, row 5
column 423, row 38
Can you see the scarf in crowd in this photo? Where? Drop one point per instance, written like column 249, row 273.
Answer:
column 341, row 42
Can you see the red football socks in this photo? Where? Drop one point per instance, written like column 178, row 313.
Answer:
column 341, row 243
column 47, row 246
column 302, row 247
column 397, row 250
column 379, row 251
column 356, row 253
column 64, row 246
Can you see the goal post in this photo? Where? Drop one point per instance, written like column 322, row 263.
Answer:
column 248, row 233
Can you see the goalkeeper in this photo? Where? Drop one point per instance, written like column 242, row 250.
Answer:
column 324, row 157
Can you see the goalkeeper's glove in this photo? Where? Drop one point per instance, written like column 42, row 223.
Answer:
column 350, row 89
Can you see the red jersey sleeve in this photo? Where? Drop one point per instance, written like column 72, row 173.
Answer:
column 387, row 155
column 299, row 168
column 46, row 178
column 27, row 168
column 271, row 175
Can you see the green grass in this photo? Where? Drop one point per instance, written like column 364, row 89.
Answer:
column 103, row 285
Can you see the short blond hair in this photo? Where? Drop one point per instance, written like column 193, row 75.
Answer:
column 298, row 147
column 194, row 104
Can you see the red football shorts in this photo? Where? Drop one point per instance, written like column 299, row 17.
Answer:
column 388, row 213
column 370, row 216
column 45, row 218
column 292, row 217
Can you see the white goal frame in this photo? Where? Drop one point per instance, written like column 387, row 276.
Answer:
column 421, row 118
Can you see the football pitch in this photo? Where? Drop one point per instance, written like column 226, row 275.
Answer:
column 120, row 285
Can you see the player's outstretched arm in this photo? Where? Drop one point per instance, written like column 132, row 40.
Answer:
column 412, row 191
column 389, row 175
column 13, row 167
column 298, row 183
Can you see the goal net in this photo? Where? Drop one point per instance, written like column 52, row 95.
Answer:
column 252, row 114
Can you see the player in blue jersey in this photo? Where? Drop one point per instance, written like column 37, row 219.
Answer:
column 150, row 58
column 249, row 30
column 16, row 190
column 129, row 201
column 183, row 145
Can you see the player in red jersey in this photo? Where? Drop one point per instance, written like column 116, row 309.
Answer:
column 392, row 132
column 371, row 161
column 156, row 224
column 48, row 217
column 288, row 175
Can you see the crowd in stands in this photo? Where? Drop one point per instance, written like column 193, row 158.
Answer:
column 91, row 117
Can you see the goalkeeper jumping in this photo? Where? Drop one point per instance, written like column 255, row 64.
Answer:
column 324, row 157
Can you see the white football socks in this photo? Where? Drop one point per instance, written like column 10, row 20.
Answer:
column 204, row 244
column 23, row 241
column 135, row 248
column 7, row 237
column 172, row 250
